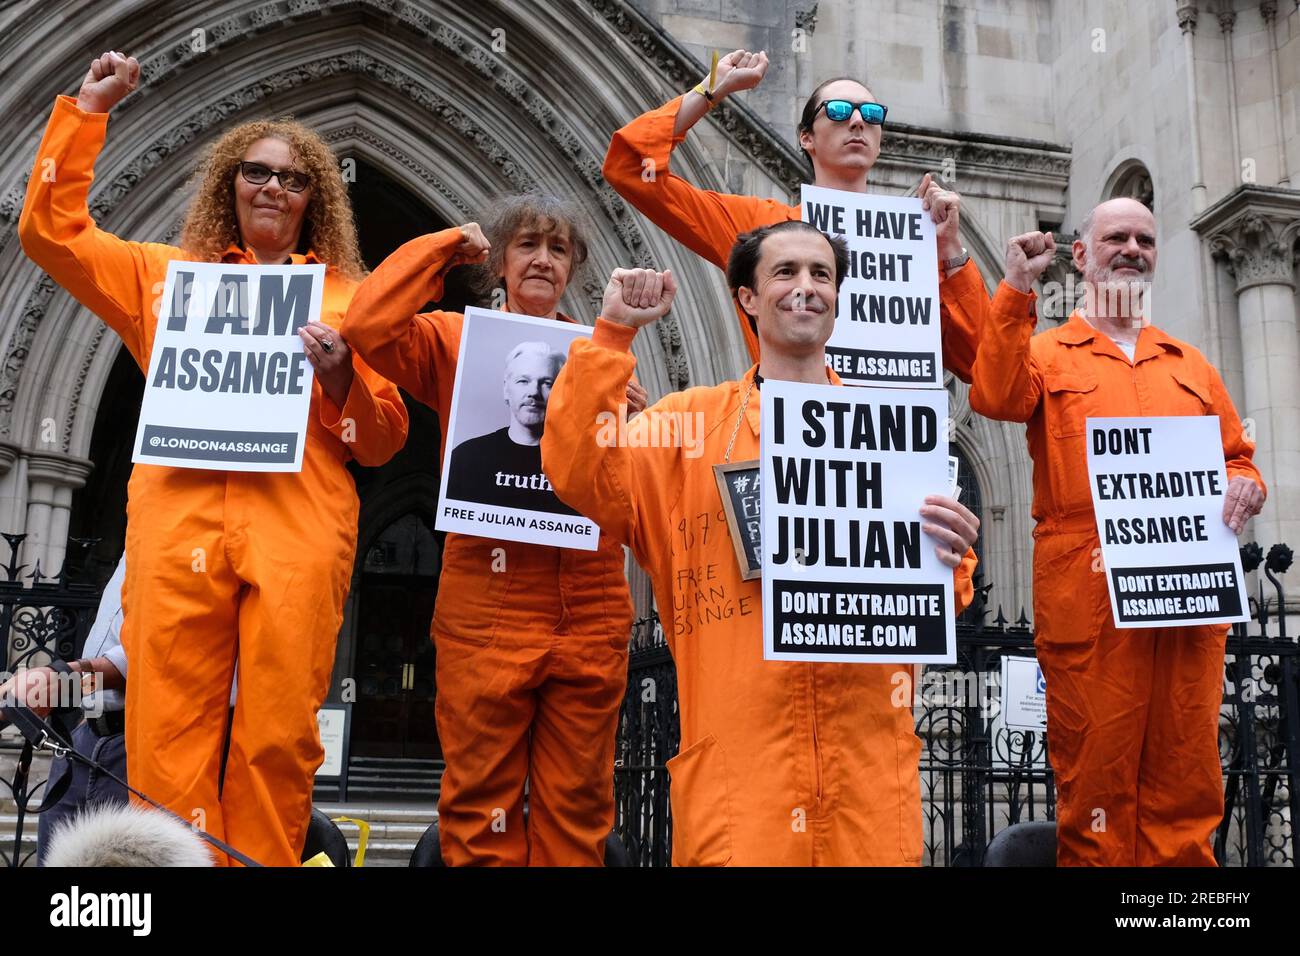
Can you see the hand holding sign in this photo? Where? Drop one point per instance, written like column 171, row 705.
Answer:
column 111, row 76
column 330, row 356
column 637, row 297
column 944, row 207
column 1028, row 255
column 952, row 524
column 739, row 70
column 1242, row 502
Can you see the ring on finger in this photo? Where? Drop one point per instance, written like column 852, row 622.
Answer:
column 327, row 345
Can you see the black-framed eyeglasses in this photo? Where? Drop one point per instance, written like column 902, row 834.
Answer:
column 837, row 111
column 259, row 175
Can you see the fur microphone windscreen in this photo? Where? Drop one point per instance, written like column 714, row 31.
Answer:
column 125, row 835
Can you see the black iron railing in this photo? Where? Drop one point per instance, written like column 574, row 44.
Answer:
column 42, row 617
column 979, row 777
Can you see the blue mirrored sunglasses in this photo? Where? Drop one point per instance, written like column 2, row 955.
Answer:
column 839, row 110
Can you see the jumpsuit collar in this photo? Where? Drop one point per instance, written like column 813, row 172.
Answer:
column 1151, row 342
column 237, row 253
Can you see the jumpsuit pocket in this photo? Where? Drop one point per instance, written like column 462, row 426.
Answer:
column 701, row 805
column 1071, row 599
column 909, row 798
column 1193, row 396
column 469, row 604
column 1068, row 403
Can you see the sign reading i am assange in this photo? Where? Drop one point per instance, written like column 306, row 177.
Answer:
column 848, row 574
column 887, row 325
column 229, row 384
column 1158, row 486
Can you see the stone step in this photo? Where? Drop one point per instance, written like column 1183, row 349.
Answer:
column 392, row 779
column 376, row 792
column 396, row 762
column 406, row 813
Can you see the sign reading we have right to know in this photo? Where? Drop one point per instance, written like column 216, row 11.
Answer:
column 1158, row 487
column 887, row 325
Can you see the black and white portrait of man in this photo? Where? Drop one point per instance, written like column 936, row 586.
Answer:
column 504, row 467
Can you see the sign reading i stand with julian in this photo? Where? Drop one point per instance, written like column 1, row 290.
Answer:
column 848, row 574
column 1158, row 487
column 887, row 327
column 229, row 385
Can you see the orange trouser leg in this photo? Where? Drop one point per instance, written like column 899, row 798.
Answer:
column 485, row 705
column 571, row 772
column 289, row 617
column 1180, row 785
column 179, row 628
column 1098, row 695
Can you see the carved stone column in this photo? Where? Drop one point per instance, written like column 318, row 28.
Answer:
column 52, row 477
column 1254, row 230
column 1187, row 16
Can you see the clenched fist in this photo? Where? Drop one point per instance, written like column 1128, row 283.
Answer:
column 111, row 76
column 473, row 248
column 1027, row 256
column 637, row 297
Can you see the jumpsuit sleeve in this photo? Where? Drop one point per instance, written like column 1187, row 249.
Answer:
column 628, row 491
column 372, row 423
column 963, row 313
column 706, row 222
column 384, row 325
column 1238, row 449
column 117, row 280
column 1007, row 383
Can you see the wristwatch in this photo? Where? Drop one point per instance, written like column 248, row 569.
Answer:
column 956, row 262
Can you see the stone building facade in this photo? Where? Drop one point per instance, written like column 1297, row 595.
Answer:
column 1035, row 110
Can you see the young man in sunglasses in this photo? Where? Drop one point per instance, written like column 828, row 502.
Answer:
column 839, row 132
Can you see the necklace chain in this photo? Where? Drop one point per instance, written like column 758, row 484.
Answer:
column 739, row 418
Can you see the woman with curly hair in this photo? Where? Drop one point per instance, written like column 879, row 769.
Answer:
column 227, row 571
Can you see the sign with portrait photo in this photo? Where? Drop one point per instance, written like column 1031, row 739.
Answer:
column 493, row 485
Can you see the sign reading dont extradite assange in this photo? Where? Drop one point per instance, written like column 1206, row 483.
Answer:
column 1158, row 488
column 229, row 384
column 848, row 574
column 887, row 326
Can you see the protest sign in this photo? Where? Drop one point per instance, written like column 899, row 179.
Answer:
column 1158, row 486
column 848, row 575
column 229, row 384
column 493, row 485
column 887, row 324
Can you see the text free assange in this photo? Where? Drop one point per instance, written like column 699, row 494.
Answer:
column 519, row 521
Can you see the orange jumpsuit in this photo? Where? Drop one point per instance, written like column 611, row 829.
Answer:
column 1132, row 714
column 219, row 563
column 531, row 640
column 708, row 223
column 781, row 764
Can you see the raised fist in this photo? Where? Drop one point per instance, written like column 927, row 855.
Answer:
column 1027, row 256
column 111, row 76
column 637, row 297
column 739, row 70
column 473, row 248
